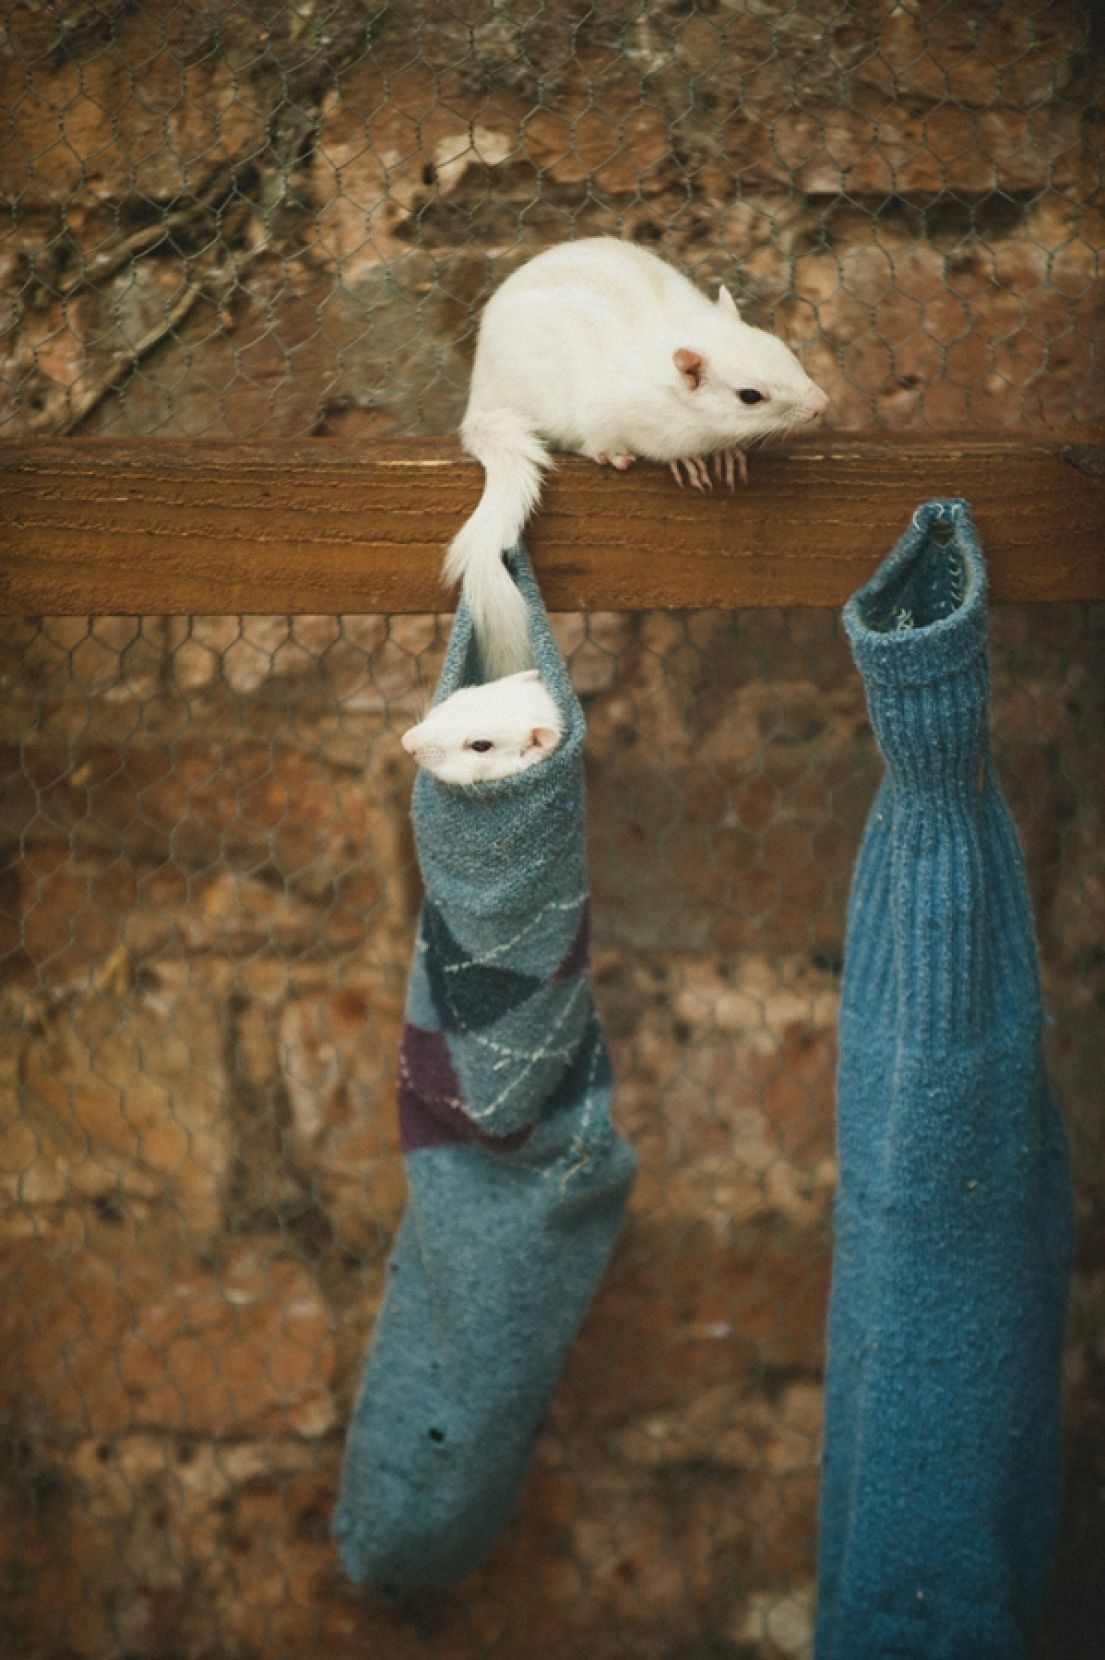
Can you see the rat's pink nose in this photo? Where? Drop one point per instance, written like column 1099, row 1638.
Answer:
column 817, row 401
column 409, row 740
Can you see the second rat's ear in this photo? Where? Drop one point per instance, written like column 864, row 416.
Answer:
column 545, row 737
column 690, row 366
column 727, row 303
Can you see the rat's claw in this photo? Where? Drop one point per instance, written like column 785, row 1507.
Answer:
column 700, row 475
column 725, row 464
column 673, row 468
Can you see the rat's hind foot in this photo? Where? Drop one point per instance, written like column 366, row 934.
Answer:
column 621, row 462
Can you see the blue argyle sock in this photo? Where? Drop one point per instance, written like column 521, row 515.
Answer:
column 953, row 1217
column 517, row 1180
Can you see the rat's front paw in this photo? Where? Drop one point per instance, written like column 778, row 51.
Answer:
column 730, row 463
column 696, row 469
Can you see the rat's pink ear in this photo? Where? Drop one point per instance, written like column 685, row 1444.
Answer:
column 545, row 737
column 690, row 366
column 727, row 303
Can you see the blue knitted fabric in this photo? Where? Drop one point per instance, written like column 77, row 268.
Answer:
column 953, row 1216
column 517, row 1180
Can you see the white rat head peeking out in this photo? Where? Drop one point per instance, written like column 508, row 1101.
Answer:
column 489, row 731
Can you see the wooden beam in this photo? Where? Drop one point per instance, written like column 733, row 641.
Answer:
column 92, row 526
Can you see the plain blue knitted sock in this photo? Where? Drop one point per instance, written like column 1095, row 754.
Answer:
column 517, row 1180
column 953, row 1217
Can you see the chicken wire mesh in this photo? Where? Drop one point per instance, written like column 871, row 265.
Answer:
column 207, row 920
column 273, row 220
column 282, row 219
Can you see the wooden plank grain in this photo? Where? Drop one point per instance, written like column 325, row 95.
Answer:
column 170, row 526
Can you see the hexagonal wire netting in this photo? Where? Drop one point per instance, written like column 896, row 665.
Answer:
column 271, row 219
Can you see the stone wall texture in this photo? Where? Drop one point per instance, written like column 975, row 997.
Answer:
column 246, row 220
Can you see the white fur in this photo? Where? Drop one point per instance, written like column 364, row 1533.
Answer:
column 578, row 348
column 515, row 715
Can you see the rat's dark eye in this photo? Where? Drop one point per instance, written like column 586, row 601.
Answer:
column 748, row 394
column 481, row 745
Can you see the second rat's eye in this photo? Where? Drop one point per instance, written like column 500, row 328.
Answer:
column 481, row 745
column 748, row 394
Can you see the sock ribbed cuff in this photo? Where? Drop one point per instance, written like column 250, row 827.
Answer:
column 918, row 635
column 941, row 844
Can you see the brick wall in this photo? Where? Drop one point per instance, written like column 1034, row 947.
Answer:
column 234, row 221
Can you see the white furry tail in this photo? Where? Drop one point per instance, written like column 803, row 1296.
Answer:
column 513, row 458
